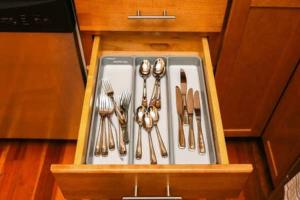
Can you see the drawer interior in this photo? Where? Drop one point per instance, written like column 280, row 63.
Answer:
column 152, row 44
column 190, row 181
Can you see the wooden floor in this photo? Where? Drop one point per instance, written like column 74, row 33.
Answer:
column 24, row 167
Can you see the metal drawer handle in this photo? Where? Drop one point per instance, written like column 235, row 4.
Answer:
column 140, row 16
column 136, row 197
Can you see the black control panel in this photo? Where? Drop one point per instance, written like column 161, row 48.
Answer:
column 37, row 16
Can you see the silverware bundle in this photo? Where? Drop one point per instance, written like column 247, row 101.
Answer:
column 187, row 104
column 107, row 105
column 147, row 115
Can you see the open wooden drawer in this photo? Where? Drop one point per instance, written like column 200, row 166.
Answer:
column 81, row 181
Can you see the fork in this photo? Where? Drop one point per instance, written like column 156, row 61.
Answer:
column 110, row 93
column 124, row 105
column 101, row 145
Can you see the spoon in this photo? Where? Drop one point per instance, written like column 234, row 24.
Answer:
column 155, row 117
column 159, row 70
column 139, row 119
column 144, row 70
column 148, row 124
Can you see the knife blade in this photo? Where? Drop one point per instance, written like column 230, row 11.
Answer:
column 197, row 109
column 190, row 110
column 179, row 106
column 183, row 86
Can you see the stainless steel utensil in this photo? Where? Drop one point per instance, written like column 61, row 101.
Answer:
column 179, row 105
column 110, row 92
column 124, row 105
column 101, row 144
column 144, row 70
column 148, row 124
column 190, row 109
column 197, row 109
column 158, row 71
column 155, row 118
column 122, row 128
column 139, row 119
column 110, row 111
column 183, row 86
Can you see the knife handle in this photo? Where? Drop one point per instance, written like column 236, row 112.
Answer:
column 200, row 135
column 181, row 133
column 185, row 113
column 191, row 132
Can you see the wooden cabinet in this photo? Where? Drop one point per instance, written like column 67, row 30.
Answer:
column 260, row 50
column 81, row 180
column 191, row 16
column 41, row 86
column 282, row 135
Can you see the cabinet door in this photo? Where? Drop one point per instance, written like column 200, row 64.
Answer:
column 282, row 135
column 260, row 51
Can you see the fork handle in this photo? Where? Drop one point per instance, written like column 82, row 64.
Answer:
column 103, row 142
column 122, row 145
column 111, row 141
column 98, row 141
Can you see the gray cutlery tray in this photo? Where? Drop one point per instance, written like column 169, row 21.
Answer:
column 123, row 75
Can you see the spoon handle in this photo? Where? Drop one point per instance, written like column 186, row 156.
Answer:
column 154, row 94
column 152, row 152
column 158, row 95
column 138, row 153
column 98, row 143
column 144, row 100
column 103, row 142
column 111, row 141
column 163, row 150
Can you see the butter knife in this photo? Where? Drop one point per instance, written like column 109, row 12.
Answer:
column 179, row 105
column 197, row 109
column 190, row 110
column 183, row 86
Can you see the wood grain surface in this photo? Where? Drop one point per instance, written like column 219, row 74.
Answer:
column 282, row 135
column 191, row 16
column 260, row 51
column 25, row 168
column 41, row 86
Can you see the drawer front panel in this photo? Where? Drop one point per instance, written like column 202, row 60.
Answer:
column 191, row 16
column 114, row 182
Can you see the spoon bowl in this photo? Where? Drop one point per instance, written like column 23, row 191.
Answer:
column 145, row 69
column 148, row 124
column 159, row 68
column 155, row 118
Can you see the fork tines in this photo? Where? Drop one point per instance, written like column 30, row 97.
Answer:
column 107, row 87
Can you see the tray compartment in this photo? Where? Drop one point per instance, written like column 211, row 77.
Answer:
column 163, row 123
column 120, row 72
column 195, row 79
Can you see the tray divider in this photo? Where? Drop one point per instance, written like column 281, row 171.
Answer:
column 170, row 125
